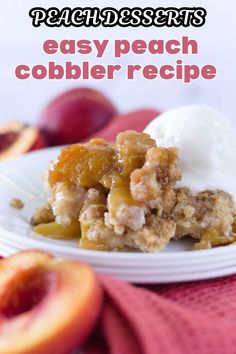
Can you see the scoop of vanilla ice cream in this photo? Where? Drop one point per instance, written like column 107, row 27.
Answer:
column 207, row 145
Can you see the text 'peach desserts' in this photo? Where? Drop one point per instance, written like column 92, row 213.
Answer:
column 124, row 195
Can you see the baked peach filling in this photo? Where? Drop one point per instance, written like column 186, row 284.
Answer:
column 124, row 196
column 82, row 164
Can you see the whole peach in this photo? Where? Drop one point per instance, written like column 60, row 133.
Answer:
column 74, row 115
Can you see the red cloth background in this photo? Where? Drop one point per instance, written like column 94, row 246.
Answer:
column 187, row 318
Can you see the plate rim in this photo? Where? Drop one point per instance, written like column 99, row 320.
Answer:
column 125, row 255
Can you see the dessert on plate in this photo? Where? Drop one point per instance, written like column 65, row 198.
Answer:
column 130, row 194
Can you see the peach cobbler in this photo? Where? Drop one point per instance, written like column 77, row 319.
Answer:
column 123, row 196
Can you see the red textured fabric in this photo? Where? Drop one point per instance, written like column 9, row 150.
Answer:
column 137, row 120
column 188, row 318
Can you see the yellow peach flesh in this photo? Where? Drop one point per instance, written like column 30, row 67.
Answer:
column 54, row 230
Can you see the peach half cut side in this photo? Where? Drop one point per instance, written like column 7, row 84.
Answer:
column 17, row 138
column 47, row 305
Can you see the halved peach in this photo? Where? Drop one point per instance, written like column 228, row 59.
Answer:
column 17, row 138
column 47, row 305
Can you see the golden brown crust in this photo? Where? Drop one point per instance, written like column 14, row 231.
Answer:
column 195, row 214
column 42, row 215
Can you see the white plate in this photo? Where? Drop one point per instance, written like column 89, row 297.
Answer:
column 21, row 178
column 149, row 276
column 8, row 249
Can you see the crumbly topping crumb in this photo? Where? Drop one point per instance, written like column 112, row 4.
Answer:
column 17, row 203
